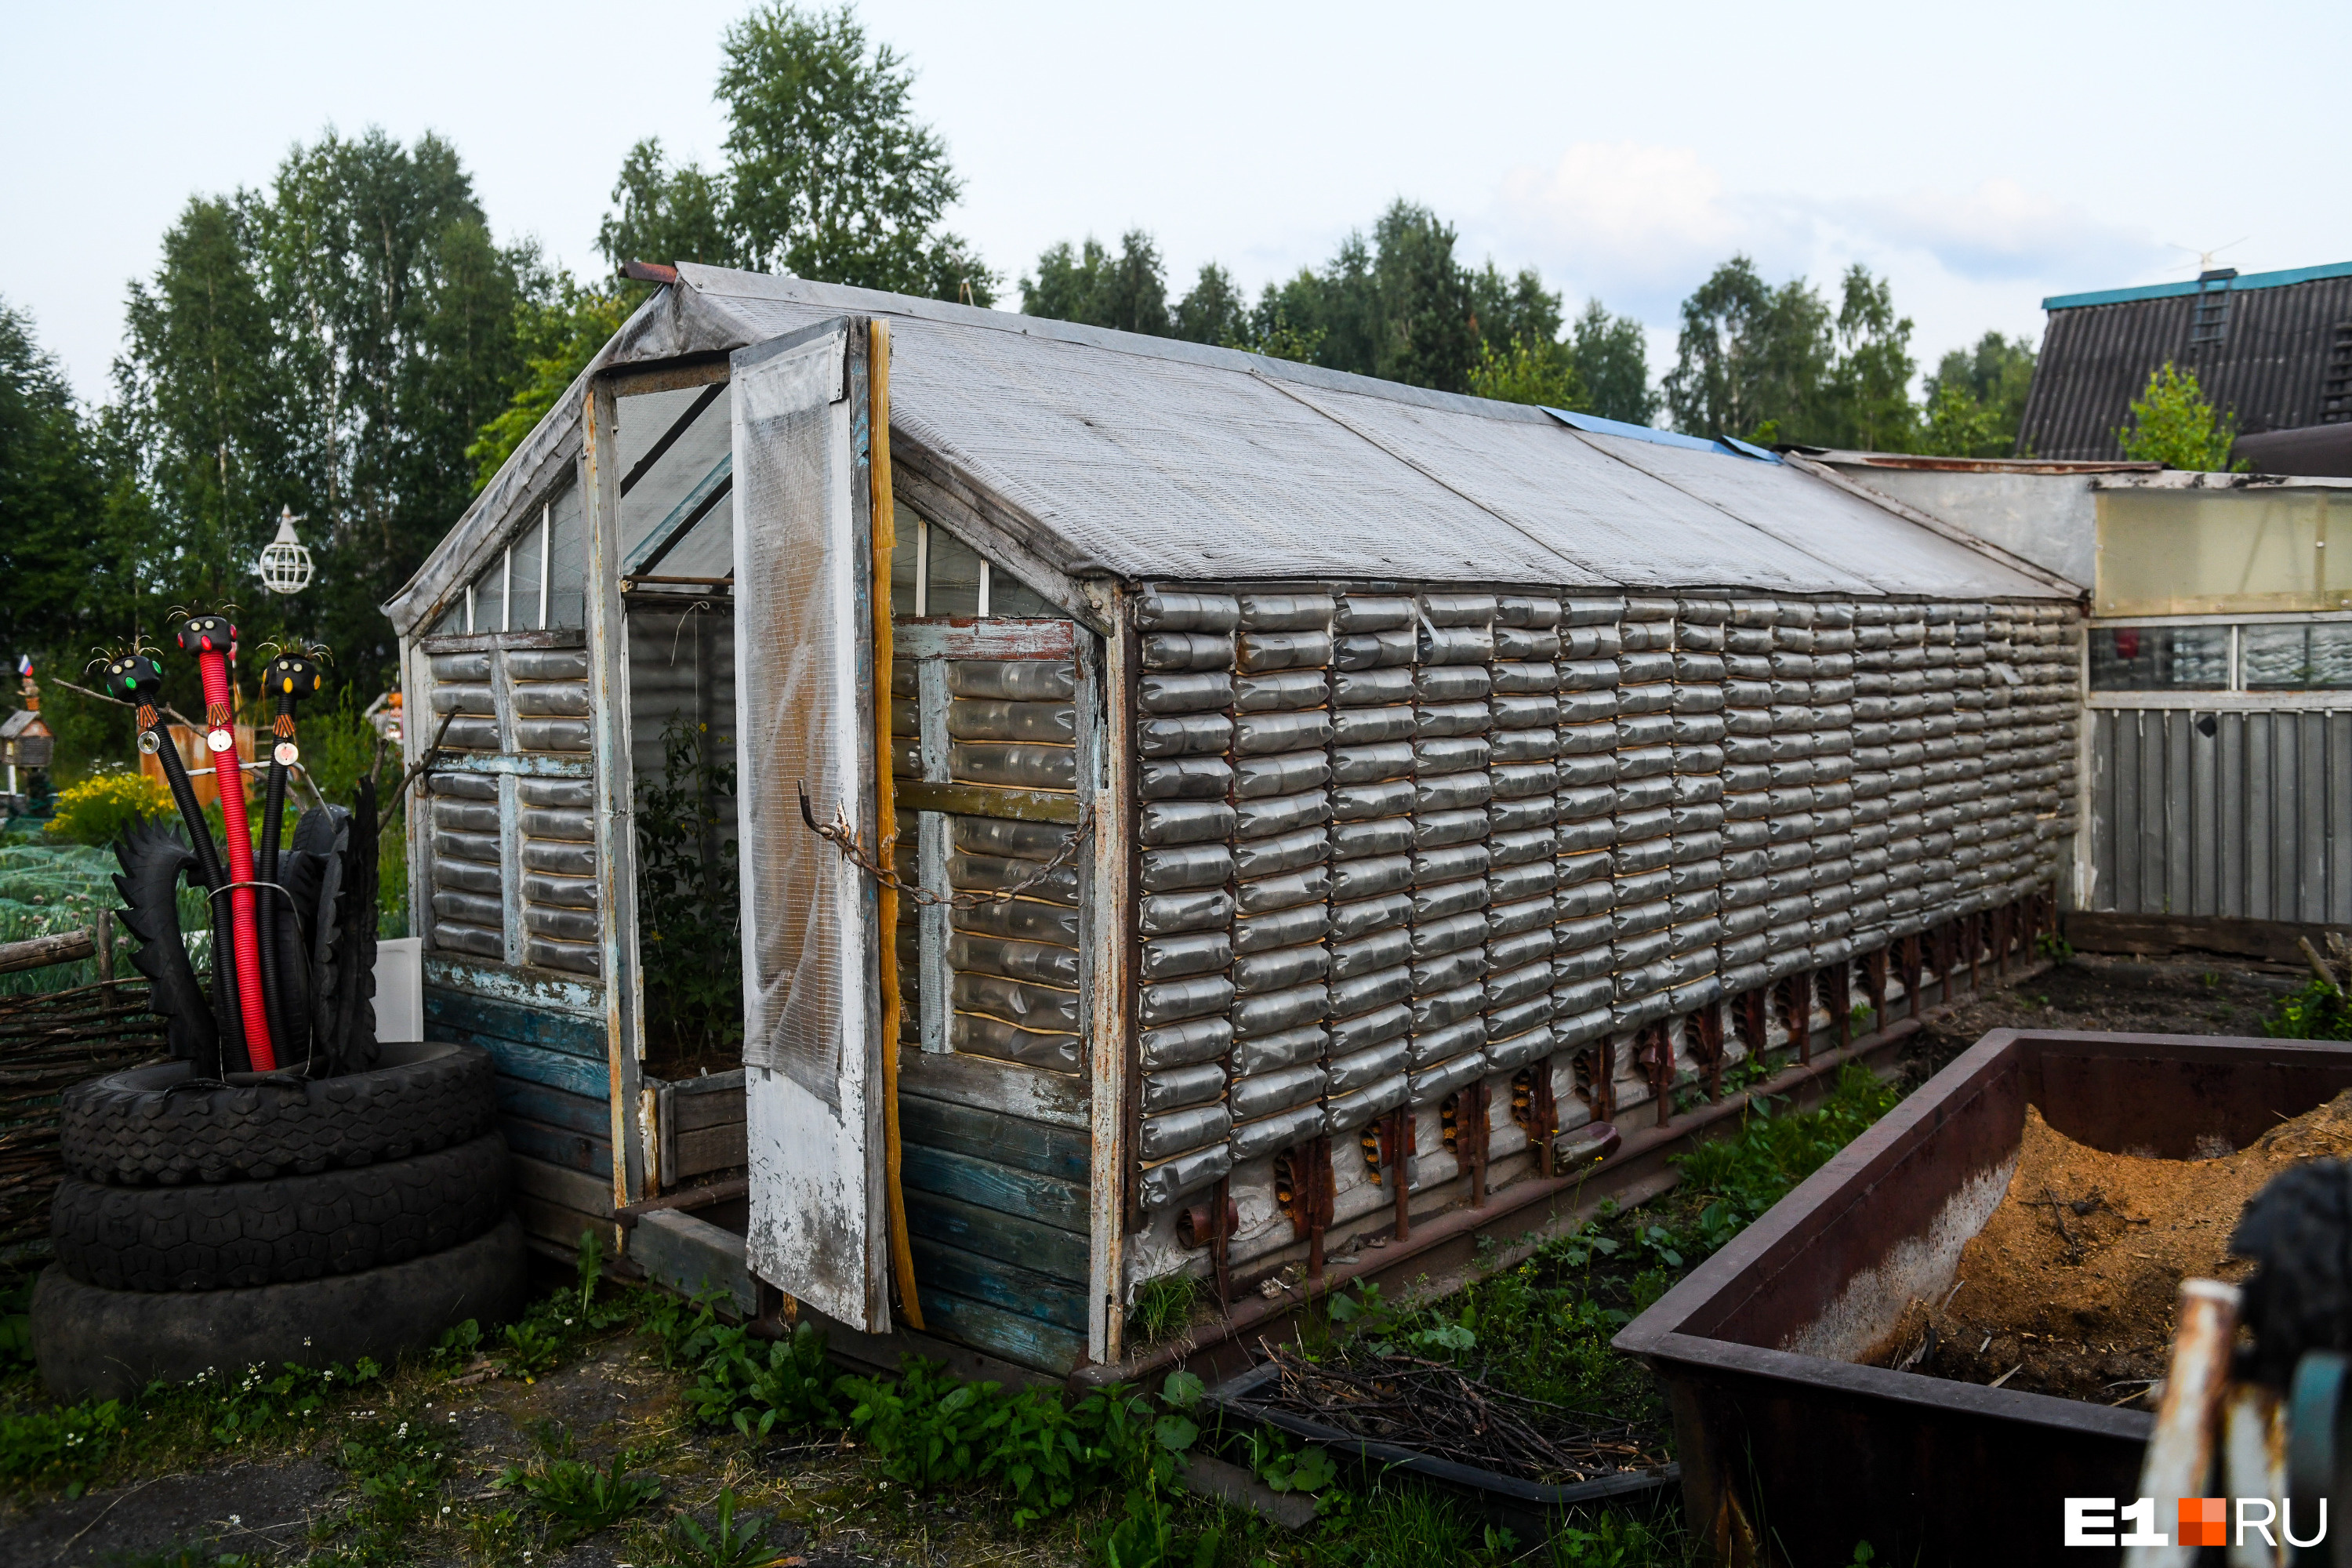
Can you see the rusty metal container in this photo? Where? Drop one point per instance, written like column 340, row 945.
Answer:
column 1785, row 1441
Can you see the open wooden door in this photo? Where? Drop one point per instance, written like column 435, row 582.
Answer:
column 812, row 936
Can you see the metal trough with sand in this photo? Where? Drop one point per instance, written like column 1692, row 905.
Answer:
column 1783, row 1437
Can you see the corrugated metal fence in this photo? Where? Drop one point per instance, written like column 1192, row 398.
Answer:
column 2238, row 814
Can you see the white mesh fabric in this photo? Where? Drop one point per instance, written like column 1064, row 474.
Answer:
column 796, row 594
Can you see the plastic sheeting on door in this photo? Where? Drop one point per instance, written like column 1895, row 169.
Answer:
column 795, row 588
column 810, row 1026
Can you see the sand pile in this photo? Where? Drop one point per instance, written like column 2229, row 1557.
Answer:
column 2070, row 1287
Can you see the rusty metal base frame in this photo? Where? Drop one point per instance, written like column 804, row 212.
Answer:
column 1447, row 1249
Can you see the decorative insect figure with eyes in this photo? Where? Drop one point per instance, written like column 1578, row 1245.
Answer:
column 290, row 936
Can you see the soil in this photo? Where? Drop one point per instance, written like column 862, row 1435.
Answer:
column 2070, row 1287
column 238, row 1506
column 817, row 1501
column 2187, row 996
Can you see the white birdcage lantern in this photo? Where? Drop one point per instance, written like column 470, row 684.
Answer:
column 285, row 563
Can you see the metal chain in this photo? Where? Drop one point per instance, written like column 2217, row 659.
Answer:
column 845, row 838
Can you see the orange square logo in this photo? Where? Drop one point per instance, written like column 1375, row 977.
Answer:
column 2204, row 1522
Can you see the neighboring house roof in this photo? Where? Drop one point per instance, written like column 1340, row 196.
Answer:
column 1141, row 457
column 2273, row 348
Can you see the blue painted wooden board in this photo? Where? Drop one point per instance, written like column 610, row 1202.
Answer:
column 537, row 1102
column 1023, row 1341
column 1058, row 1152
column 553, row 1069
column 457, row 1015
column 993, row 1186
column 558, row 1146
column 1009, row 1286
column 1057, row 1253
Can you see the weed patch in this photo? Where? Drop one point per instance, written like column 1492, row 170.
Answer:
column 580, row 1500
column 2317, row 1011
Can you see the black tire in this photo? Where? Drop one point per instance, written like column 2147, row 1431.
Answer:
column 131, row 1130
column 95, row 1343
column 242, row 1234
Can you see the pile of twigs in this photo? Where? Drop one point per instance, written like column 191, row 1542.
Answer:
column 1434, row 1409
column 48, row 1042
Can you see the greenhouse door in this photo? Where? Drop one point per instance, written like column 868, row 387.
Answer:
column 803, row 662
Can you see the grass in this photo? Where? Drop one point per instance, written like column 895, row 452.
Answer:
column 1162, row 1308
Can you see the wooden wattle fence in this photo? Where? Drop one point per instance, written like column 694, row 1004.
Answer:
column 49, row 1042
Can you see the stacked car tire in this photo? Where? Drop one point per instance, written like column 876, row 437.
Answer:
column 274, row 1219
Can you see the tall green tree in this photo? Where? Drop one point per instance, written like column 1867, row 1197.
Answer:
column 2172, row 423
column 332, row 345
column 560, row 335
column 1128, row 292
column 1868, row 407
column 1400, row 306
column 669, row 215
column 1975, row 401
column 1752, row 359
column 830, row 175
column 206, row 397
column 56, row 552
column 1213, row 311
column 1514, row 310
column 1528, row 372
column 1426, row 326
column 1612, row 364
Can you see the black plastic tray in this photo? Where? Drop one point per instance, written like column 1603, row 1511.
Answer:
column 1532, row 1508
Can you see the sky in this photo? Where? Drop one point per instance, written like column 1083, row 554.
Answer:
column 1980, row 158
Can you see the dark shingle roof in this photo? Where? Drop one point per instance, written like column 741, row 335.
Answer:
column 2274, row 348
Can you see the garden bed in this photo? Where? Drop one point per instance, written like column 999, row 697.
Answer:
column 1507, row 1390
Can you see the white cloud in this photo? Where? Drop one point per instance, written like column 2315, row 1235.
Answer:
column 1640, row 226
column 2002, row 230
column 1637, row 224
column 1624, row 204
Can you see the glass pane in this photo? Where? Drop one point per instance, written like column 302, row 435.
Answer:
column 2299, row 658
column 955, row 576
column 490, row 595
column 666, row 492
column 708, row 551
column 2200, row 553
column 903, row 557
column 1011, row 598
column 567, row 563
column 2160, row 658
column 525, row 615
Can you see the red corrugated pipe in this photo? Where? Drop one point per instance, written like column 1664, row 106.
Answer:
column 211, row 638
